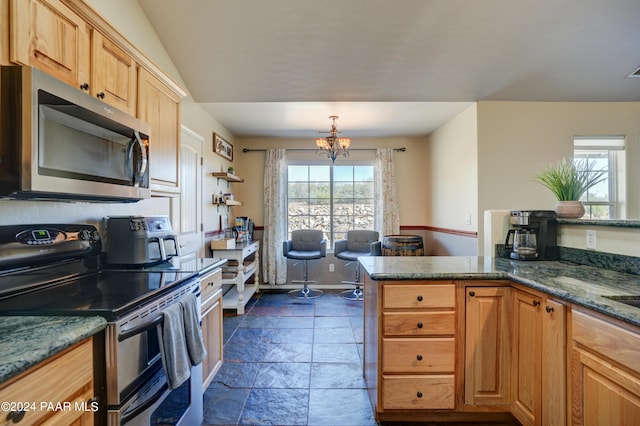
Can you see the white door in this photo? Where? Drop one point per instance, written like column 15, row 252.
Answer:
column 190, row 232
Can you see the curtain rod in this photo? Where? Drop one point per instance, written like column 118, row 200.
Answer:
column 403, row 149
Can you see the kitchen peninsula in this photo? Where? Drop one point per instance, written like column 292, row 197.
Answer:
column 483, row 338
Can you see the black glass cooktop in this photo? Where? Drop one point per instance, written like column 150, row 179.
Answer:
column 107, row 293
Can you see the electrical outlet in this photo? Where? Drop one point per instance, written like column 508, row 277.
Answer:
column 467, row 219
column 332, row 267
column 591, row 239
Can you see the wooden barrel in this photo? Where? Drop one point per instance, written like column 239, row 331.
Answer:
column 402, row 245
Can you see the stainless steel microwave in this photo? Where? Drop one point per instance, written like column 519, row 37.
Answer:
column 60, row 143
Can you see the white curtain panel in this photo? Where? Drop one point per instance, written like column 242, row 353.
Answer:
column 274, row 264
column 387, row 214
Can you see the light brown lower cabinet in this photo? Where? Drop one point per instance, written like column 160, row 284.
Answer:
column 211, row 317
column 538, row 361
column 605, row 377
column 487, row 349
column 64, row 383
column 410, row 364
column 500, row 351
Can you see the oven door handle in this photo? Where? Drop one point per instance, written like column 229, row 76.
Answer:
column 148, row 403
column 140, row 329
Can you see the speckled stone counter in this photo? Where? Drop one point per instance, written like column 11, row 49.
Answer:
column 27, row 340
column 582, row 285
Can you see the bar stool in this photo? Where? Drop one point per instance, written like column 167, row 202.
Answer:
column 358, row 243
column 305, row 245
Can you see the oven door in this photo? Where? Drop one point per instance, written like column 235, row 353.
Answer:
column 137, row 390
column 154, row 404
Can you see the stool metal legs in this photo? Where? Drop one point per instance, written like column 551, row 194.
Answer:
column 356, row 293
column 305, row 292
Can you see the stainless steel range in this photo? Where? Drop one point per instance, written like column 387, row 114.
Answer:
column 55, row 269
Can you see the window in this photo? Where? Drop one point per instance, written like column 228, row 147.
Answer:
column 604, row 200
column 331, row 198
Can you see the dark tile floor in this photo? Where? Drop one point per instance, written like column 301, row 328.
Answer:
column 291, row 362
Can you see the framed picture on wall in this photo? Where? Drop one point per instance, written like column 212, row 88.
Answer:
column 222, row 147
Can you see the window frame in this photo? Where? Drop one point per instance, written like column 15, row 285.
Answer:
column 609, row 145
column 352, row 163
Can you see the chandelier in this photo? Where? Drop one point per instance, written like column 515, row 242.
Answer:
column 332, row 146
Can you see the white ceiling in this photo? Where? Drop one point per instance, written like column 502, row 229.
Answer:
column 281, row 67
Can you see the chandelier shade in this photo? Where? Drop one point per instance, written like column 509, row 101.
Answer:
column 332, row 146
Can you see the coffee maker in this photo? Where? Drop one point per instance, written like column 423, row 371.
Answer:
column 534, row 235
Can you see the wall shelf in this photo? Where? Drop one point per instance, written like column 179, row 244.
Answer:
column 228, row 177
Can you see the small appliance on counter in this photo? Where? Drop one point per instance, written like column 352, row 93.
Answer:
column 534, row 235
column 244, row 229
column 140, row 240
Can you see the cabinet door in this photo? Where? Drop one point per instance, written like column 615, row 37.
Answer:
column 605, row 372
column 212, row 336
column 114, row 74
column 603, row 394
column 554, row 364
column 487, row 346
column 47, row 35
column 526, row 358
column 160, row 107
column 66, row 378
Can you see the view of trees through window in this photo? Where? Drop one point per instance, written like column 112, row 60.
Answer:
column 331, row 198
column 604, row 154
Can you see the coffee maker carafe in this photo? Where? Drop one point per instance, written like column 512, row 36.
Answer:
column 533, row 236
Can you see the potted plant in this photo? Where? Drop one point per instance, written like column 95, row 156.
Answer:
column 569, row 180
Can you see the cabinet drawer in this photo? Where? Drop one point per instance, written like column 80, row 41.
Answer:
column 418, row 392
column 249, row 250
column 210, row 283
column 418, row 323
column 68, row 378
column 436, row 355
column 607, row 339
column 419, row 296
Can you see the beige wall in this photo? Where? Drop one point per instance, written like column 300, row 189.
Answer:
column 412, row 177
column 453, row 170
column 453, row 166
column 516, row 139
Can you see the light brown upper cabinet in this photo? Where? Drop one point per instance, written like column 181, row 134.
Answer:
column 48, row 35
column 159, row 106
column 114, row 75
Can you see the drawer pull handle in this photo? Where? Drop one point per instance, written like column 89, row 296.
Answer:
column 84, row 86
column 419, row 325
column 419, row 298
column 472, row 293
column 419, row 357
column 536, row 303
column 549, row 309
column 16, row 416
column 419, row 394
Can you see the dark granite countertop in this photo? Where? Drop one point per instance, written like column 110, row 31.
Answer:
column 27, row 340
column 582, row 285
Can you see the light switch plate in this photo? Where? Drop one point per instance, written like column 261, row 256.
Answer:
column 591, row 239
